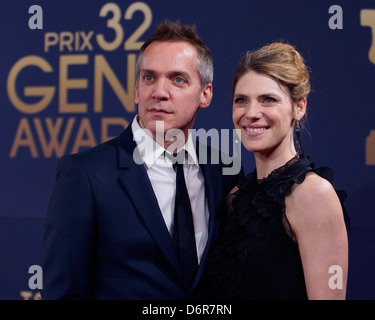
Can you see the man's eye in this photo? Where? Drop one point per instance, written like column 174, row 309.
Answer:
column 179, row 80
column 148, row 77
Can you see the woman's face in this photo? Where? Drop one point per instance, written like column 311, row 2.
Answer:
column 265, row 115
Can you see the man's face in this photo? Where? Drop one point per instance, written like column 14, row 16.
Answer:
column 168, row 88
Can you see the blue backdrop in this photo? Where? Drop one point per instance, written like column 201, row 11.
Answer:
column 67, row 83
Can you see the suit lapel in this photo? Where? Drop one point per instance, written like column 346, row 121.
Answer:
column 134, row 178
column 139, row 189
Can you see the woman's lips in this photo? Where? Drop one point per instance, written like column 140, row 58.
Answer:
column 254, row 131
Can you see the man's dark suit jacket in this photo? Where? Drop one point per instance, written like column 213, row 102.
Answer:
column 105, row 237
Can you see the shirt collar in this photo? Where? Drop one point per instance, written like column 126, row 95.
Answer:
column 150, row 150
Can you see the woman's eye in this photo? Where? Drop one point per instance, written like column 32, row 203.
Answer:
column 239, row 101
column 269, row 100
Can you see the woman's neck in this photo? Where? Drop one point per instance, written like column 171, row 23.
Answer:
column 265, row 164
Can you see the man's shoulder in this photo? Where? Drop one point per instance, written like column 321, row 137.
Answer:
column 103, row 152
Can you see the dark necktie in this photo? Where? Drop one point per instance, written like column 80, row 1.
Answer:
column 183, row 231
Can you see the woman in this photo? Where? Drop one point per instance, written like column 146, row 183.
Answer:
column 285, row 235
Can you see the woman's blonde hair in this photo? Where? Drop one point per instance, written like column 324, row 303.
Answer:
column 282, row 62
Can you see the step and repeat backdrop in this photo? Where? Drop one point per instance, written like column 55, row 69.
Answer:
column 67, row 83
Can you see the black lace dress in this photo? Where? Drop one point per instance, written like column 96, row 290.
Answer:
column 256, row 255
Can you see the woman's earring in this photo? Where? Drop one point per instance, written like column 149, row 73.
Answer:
column 298, row 138
column 298, row 127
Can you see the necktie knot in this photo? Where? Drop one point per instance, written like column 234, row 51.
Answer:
column 177, row 159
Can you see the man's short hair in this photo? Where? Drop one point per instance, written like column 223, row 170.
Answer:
column 168, row 31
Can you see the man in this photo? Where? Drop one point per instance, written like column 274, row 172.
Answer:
column 110, row 228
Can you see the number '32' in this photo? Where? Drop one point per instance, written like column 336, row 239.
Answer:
column 114, row 12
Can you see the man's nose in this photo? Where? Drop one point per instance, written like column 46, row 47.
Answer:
column 161, row 90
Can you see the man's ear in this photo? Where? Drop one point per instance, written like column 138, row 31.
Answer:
column 206, row 96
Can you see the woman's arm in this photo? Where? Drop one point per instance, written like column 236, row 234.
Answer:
column 315, row 215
